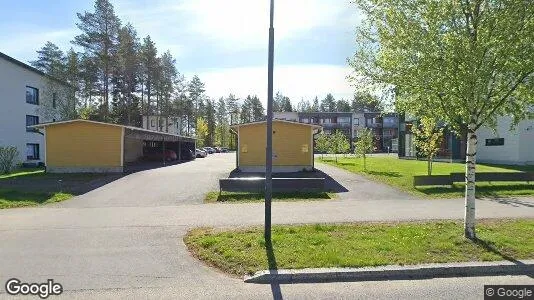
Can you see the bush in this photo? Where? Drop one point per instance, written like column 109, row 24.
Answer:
column 7, row 158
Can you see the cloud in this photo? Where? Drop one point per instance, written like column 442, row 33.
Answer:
column 24, row 46
column 294, row 81
column 243, row 24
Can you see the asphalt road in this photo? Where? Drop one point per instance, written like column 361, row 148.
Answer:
column 105, row 245
column 185, row 183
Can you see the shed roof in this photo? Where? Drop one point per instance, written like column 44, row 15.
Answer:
column 130, row 128
column 313, row 126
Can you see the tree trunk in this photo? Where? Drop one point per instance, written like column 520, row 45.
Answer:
column 428, row 168
column 470, row 165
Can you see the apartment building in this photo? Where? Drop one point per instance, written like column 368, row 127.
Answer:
column 24, row 92
column 502, row 145
column 172, row 125
column 385, row 127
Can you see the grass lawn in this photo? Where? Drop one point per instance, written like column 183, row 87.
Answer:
column 400, row 172
column 243, row 251
column 15, row 198
column 23, row 172
column 213, row 197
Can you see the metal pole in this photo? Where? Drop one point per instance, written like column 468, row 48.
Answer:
column 269, row 149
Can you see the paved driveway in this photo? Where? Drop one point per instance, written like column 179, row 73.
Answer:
column 184, row 183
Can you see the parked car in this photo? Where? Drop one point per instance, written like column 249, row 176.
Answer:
column 217, row 149
column 168, row 155
column 224, row 149
column 187, row 154
column 209, row 150
column 200, row 153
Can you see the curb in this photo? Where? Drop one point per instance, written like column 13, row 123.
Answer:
column 394, row 272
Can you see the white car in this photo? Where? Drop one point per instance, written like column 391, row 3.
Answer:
column 200, row 153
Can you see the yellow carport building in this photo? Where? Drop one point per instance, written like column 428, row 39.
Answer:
column 78, row 146
column 292, row 146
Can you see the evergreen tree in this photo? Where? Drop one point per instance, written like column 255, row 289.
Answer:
column 315, row 107
column 125, row 78
column 149, row 69
column 246, row 110
column 328, row 104
column 364, row 101
column 196, row 90
column 304, row 106
column 258, row 112
column 99, row 39
column 50, row 60
column 343, row 105
column 222, row 123
column 210, row 121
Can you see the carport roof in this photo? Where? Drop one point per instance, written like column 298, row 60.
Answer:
column 148, row 133
column 313, row 126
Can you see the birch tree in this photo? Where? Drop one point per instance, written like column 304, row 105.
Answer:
column 364, row 145
column 464, row 62
column 428, row 139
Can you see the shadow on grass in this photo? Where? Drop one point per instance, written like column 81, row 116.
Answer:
column 490, row 247
column 16, row 198
column 485, row 191
column 388, row 174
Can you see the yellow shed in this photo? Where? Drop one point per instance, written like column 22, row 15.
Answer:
column 292, row 146
column 91, row 146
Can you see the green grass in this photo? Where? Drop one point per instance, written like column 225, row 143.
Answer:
column 243, row 251
column 399, row 173
column 23, row 172
column 14, row 198
column 213, row 197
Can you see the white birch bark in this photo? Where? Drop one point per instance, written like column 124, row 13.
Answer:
column 470, row 166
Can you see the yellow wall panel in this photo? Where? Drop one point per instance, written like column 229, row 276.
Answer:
column 83, row 144
column 291, row 144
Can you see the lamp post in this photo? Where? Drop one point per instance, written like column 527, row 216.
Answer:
column 269, row 148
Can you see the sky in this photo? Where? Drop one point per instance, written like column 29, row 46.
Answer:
column 223, row 42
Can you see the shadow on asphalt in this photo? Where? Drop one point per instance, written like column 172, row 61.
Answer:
column 510, row 201
column 273, row 267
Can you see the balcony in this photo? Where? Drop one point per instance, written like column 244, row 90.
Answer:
column 335, row 125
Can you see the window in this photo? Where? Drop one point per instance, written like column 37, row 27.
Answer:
column 305, row 120
column 32, row 95
column 495, row 142
column 343, row 119
column 31, row 120
column 152, row 123
column 54, row 100
column 32, row 151
column 390, row 121
column 356, row 121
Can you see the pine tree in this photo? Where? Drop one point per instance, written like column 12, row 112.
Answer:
column 99, row 39
column 246, row 110
column 149, row 67
column 258, row 112
column 50, row 60
column 328, row 104
column 222, row 123
column 126, row 78
column 210, row 121
column 196, row 90
column 343, row 105
column 315, row 107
